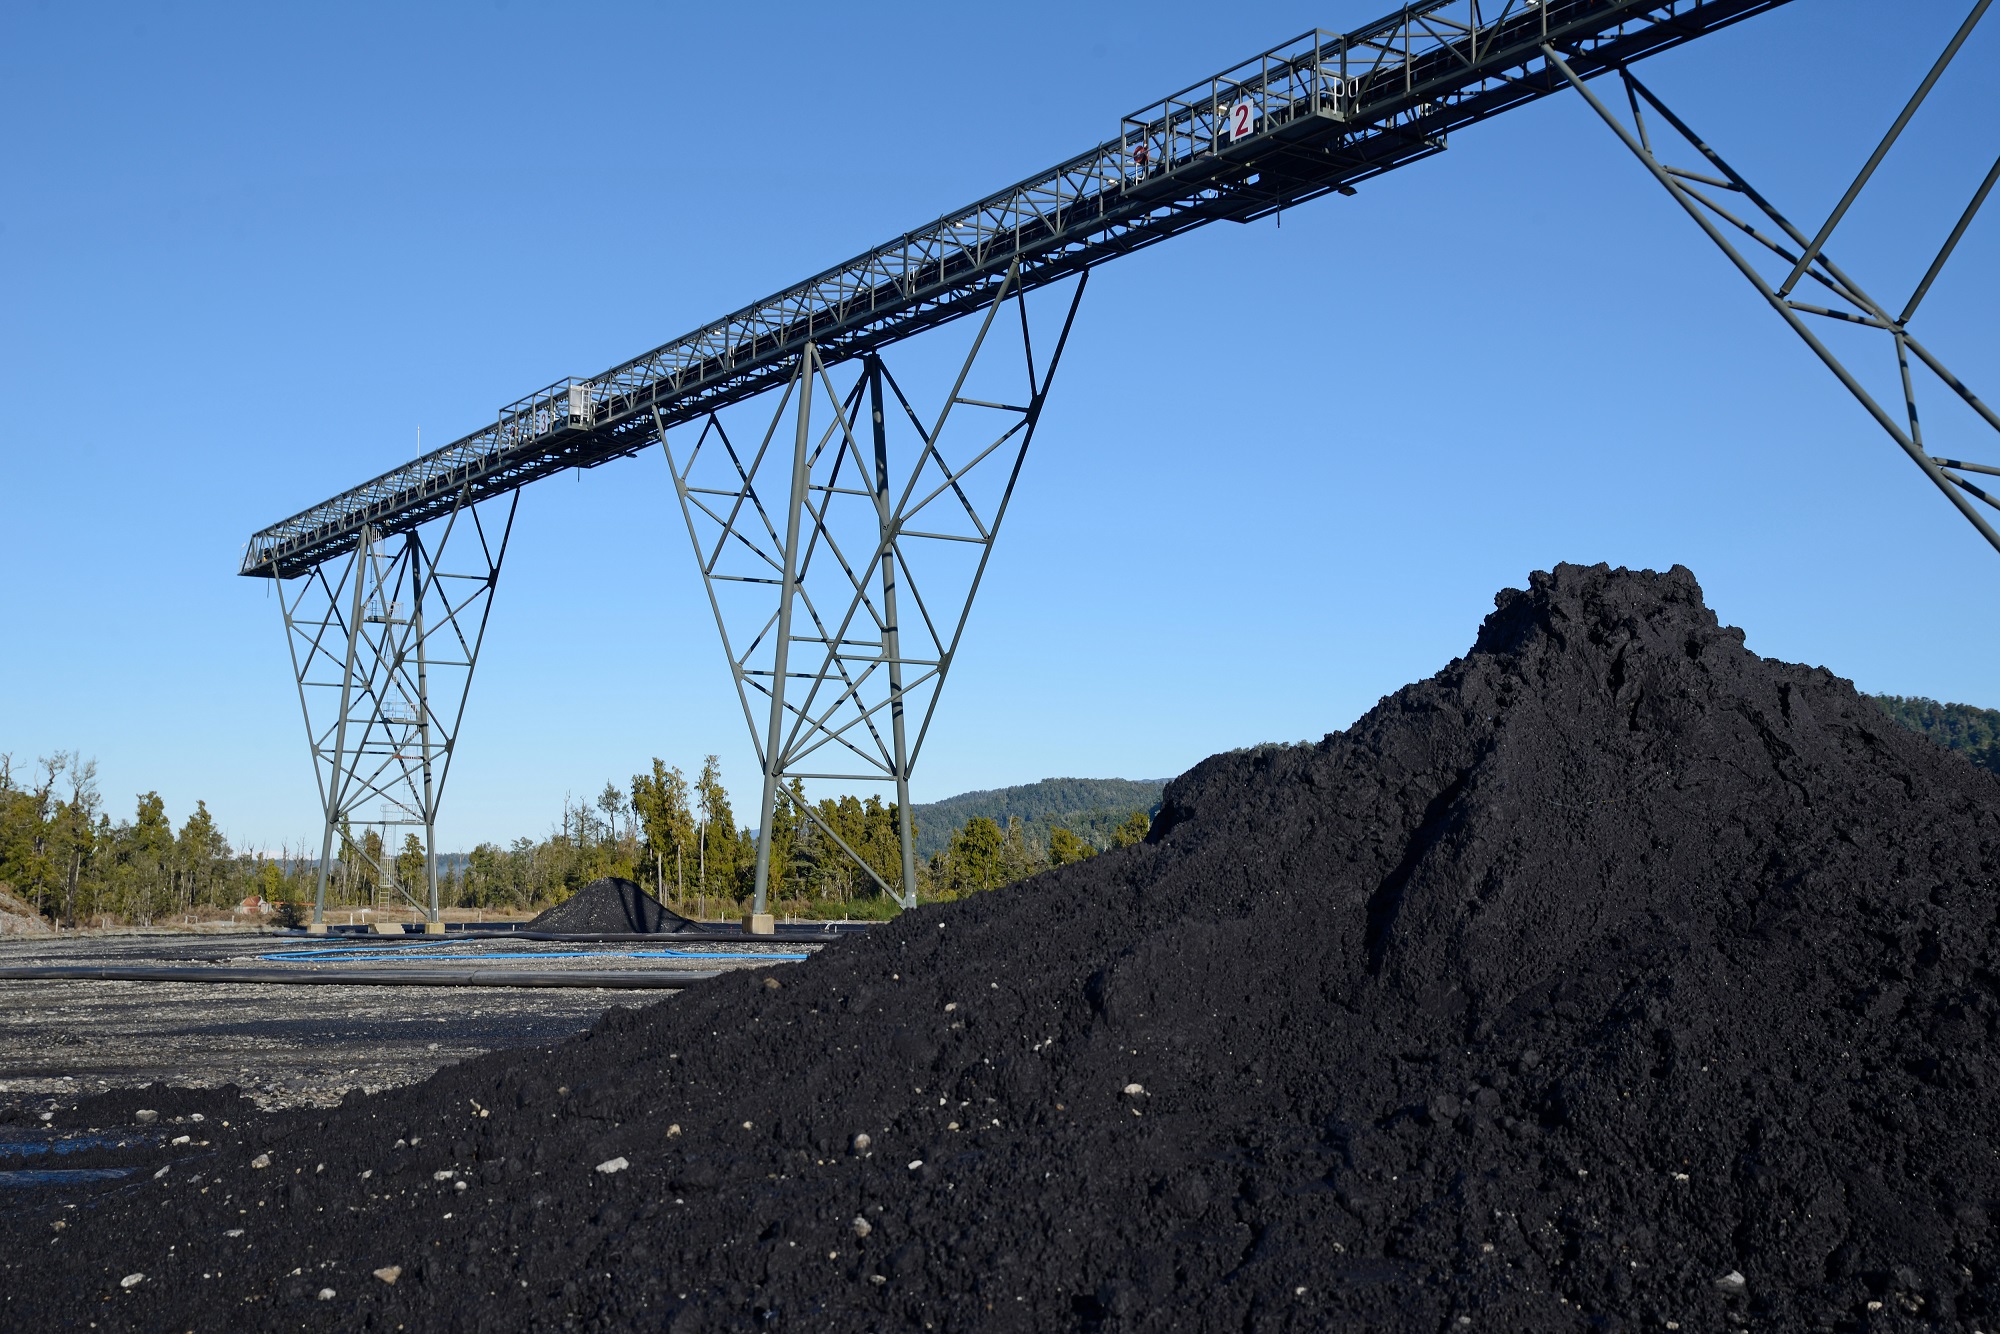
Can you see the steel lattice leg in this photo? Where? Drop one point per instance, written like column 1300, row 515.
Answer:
column 874, row 566
column 386, row 644
column 1776, row 241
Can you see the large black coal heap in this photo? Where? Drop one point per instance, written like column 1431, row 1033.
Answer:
column 1612, row 976
column 611, row 905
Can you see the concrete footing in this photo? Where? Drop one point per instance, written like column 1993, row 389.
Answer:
column 433, row 928
column 760, row 924
column 386, row 928
column 315, row 928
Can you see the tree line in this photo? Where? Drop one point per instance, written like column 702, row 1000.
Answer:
column 63, row 853
column 1971, row 731
column 835, row 857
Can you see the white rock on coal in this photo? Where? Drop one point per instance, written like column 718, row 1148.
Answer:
column 863, row 1142
column 610, row 1165
column 389, row 1273
column 145, row 1116
column 131, row 1280
column 1733, row 1281
column 261, row 1160
column 862, row 1227
column 326, row 1294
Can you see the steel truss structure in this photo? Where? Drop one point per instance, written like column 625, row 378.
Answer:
column 1319, row 114
column 1723, row 202
column 383, row 651
column 821, row 574
column 842, row 547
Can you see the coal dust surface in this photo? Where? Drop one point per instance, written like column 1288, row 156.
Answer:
column 1612, row 978
column 611, row 906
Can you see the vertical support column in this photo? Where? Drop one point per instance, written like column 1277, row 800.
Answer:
column 335, row 786
column 433, row 923
column 892, row 645
column 759, row 921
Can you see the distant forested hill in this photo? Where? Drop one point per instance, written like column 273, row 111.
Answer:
column 1972, row 731
column 1089, row 807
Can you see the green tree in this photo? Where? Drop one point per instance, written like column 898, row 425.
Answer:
column 1972, row 731
column 975, row 856
column 612, row 802
column 1134, row 830
column 1017, row 860
column 721, row 862
column 484, row 882
column 374, row 870
column 1066, row 849
column 24, row 812
column 198, row 850
column 668, row 827
column 270, row 882
column 868, row 826
column 73, row 839
column 152, row 856
column 410, row 873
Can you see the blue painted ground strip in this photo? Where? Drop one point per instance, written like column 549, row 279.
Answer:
column 13, row 1147
column 71, row 1176
column 400, row 951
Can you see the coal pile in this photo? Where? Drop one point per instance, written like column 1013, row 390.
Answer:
column 1613, row 978
column 611, row 906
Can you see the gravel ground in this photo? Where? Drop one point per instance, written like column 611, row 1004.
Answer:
column 285, row 1046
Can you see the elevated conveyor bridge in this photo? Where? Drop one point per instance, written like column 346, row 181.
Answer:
column 1317, row 115
column 843, row 537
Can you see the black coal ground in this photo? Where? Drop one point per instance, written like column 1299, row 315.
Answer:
column 1610, row 962
column 611, row 906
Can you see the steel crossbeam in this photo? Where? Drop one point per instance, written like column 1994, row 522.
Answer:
column 1319, row 114
column 1725, row 205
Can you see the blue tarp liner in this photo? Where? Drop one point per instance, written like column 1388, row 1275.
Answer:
column 336, row 952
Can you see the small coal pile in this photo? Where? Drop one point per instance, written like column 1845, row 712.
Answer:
column 1613, row 978
column 611, row 906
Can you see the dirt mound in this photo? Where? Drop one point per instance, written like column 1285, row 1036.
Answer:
column 1611, row 977
column 19, row 918
column 611, row 906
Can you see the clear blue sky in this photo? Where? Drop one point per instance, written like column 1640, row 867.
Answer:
column 248, row 251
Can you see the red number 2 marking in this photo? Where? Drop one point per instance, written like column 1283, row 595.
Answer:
column 1242, row 125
